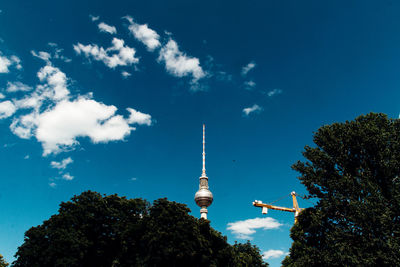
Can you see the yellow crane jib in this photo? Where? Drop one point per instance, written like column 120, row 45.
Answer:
column 296, row 210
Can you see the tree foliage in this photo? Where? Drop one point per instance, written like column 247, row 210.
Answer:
column 96, row 230
column 3, row 263
column 247, row 255
column 354, row 173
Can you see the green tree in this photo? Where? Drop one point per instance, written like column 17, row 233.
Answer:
column 354, row 173
column 3, row 263
column 248, row 255
column 96, row 230
column 88, row 231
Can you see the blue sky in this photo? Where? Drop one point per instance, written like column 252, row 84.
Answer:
column 111, row 96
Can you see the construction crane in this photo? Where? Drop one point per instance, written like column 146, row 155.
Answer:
column 296, row 210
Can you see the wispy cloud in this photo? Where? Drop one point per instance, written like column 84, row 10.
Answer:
column 56, row 53
column 144, row 34
column 125, row 74
column 272, row 254
column 253, row 109
column 94, row 18
column 67, row 177
column 248, row 68
column 55, row 81
column 62, row 164
column 244, row 229
column 137, row 117
column 7, row 109
column 249, row 85
column 17, row 86
column 7, row 62
column 179, row 64
column 274, row 92
column 117, row 55
column 103, row 27
column 42, row 55
column 53, row 185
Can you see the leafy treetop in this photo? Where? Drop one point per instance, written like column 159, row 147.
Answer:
column 353, row 171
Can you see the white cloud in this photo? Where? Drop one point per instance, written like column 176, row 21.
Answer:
column 274, row 92
column 272, row 254
column 23, row 126
column 144, row 34
column 125, row 74
column 116, row 55
column 94, row 51
column 16, row 61
column 94, row 18
column 255, row 108
column 42, row 55
column 53, row 88
column 6, row 62
column 133, row 179
column 244, row 229
column 138, row 117
column 2, row 96
column 107, row 28
column 62, row 164
column 59, row 127
column 248, row 68
column 7, row 108
column 57, row 120
column 32, row 101
column 17, row 86
column 178, row 64
column 27, row 157
column 56, row 80
column 53, row 185
column 249, row 85
column 46, row 56
column 67, row 177
column 57, row 54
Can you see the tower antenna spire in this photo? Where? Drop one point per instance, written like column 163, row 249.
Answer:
column 204, row 151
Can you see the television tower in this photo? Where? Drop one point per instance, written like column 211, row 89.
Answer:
column 203, row 196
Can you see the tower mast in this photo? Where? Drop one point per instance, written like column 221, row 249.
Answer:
column 203, row 173
column 203, row 196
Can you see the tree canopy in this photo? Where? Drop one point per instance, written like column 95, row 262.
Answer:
column 96, row 230
column 353, row 171
column 3, row 263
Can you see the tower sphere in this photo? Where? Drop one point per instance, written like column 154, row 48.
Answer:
column 203, row 197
